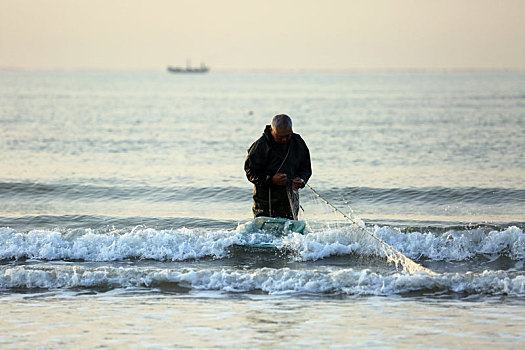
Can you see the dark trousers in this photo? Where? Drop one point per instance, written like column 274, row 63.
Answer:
column 282, row 211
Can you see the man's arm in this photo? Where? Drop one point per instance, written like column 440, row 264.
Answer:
column 305, row 168
column 255, row 166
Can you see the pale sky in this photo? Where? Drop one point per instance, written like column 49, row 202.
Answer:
column 271, row 34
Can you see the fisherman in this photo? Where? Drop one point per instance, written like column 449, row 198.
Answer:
column 278, row 164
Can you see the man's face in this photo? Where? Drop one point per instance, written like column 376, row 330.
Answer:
column 282, row 135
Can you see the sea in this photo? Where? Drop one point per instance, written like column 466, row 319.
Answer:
column 125, row 212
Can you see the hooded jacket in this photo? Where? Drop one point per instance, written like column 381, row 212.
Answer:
column 267, row 158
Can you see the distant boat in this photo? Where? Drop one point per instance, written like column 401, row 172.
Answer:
column 189, row 69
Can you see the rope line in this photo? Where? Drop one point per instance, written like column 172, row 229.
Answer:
column 405, row 261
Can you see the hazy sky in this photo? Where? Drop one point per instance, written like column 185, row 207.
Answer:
column 272, row 34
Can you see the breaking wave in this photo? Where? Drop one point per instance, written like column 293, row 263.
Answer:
column 186, row 244
column 323, row 280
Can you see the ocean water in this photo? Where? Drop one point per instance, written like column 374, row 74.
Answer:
column 125, row 213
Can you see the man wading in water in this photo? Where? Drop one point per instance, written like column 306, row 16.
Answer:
column 278, row 164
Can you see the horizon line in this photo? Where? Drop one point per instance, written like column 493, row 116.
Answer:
column 279, row 70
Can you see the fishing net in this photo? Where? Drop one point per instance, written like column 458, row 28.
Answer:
column 322, row 217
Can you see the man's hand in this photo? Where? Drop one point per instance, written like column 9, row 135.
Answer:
column 297, row 183
column 280, row 179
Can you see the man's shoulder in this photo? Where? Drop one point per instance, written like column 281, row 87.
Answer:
column 260, row 142
column 299, row 139
column 296, row 136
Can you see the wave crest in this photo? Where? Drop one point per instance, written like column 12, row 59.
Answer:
column 174, row 245
column 186, row 244
column 323, row 280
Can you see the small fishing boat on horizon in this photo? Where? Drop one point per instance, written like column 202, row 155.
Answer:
column 202, row 69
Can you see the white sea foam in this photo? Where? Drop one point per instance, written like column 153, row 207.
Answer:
column 456, row 245
column 323, row 280
column 183, row 244
column 180, row 244
column 319, row 245
column 449, row 246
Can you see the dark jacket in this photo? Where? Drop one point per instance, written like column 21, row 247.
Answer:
column 267, row 158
